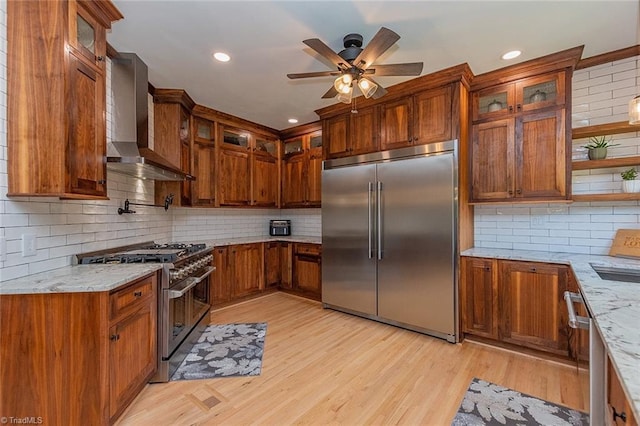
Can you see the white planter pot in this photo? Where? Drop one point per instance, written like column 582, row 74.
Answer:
column 631, row 186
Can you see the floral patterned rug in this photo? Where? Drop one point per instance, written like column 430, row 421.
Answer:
column 224, row 351
column 486, row 403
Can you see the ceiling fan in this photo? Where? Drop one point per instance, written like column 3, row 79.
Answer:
column 354, row 64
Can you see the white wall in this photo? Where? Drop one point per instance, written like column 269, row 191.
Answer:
column 600, row 95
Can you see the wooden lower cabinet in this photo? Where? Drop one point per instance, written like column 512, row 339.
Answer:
column 479, row 296
column 532, row 308
column 618, row 408
column 307, row 270
column 526, row 299
column 247, row 266
column 221, row 282
column 70, row 358
column 286, row 265
column 272, row 264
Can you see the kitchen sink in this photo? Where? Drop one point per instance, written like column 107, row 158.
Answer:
column 617, row 274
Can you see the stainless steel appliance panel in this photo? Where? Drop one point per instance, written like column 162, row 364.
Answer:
column 416, row 281
column 348, row 260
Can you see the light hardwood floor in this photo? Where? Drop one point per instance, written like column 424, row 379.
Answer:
column 325, row 367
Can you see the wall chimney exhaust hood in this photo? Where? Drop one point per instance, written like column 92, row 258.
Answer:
column 128, row 153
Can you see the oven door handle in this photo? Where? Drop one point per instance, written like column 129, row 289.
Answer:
column 189, row 284
column 575, row 321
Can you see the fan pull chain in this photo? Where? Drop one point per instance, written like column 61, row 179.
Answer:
column 354, row 110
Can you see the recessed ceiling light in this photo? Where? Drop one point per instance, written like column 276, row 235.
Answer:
column 222, row 57
column 512, row 54
column 293, row 120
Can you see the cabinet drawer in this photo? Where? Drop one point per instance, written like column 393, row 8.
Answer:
column 131, row 297
column 310, row 249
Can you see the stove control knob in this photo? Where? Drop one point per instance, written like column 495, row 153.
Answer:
column 173, row 275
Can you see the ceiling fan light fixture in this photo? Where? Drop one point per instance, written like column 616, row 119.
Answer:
column 367, row 87
column 343, row 83
column 345, row 96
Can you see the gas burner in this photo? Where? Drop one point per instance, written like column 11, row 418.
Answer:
column 143, row 253
column 189, row 247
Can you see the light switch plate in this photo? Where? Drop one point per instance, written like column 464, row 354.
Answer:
column 28, row 245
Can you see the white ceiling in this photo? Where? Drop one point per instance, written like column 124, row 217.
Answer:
column 264, row 38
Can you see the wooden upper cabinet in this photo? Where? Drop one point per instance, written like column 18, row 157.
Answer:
column 396, row 121
column 264, row 173
column 336, row 136
column 302, row 170
column 541, row 155
column 533, row 311
column 519, row 140
column 87, row 149
column 56, row 136
column 172, row 141
column 247, row 169
column 493, row 156
column 203, row 152
column 432, row 116
column 524, row 95
column 86, row 35
column 364, row 131
column 414, row 119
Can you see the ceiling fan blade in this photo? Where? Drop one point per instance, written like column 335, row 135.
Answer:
column 324, row 50
column 313, row 74
column 411, row 68
column 383, row 40
column 380, row 91
column 331, row 93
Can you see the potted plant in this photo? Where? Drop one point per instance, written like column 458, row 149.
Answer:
column 597, row 147
column 629, row 182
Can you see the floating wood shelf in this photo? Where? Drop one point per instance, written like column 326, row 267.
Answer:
column 618, row 196
column 604, row 129
column 609, row 162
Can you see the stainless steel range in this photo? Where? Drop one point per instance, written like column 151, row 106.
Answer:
column 183, row 301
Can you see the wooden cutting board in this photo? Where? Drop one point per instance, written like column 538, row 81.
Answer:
column 626, row 243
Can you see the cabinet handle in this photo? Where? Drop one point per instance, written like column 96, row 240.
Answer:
column 102, row 181
column 533, row 269
column 519, row 107
column 510, row 108
column 114, row 337
column 623, row 415
column 487, row 268
column 510, row 192
column 519, row 191
column 137, row 294
column 100, row 58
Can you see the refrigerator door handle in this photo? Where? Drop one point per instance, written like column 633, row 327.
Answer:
column 370, row 219
column 379, row 228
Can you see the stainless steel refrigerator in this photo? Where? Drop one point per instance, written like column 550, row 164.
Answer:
column 389, row 232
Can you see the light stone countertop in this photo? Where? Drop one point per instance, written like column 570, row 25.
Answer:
column 614, row 306
column 247, row 240
column 79, row 278
column 106, row 277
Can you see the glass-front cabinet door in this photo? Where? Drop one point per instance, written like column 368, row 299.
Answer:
column 266, row 147
column 235, row 138
column 293, row 146
column 493, row 102
column 86, row 35
column 540, row 92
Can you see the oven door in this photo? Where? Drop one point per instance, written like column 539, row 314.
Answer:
column 178, row 299
column 200, row 304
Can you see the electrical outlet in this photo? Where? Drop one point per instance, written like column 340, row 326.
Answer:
column 3, row 249
column 28, row 245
